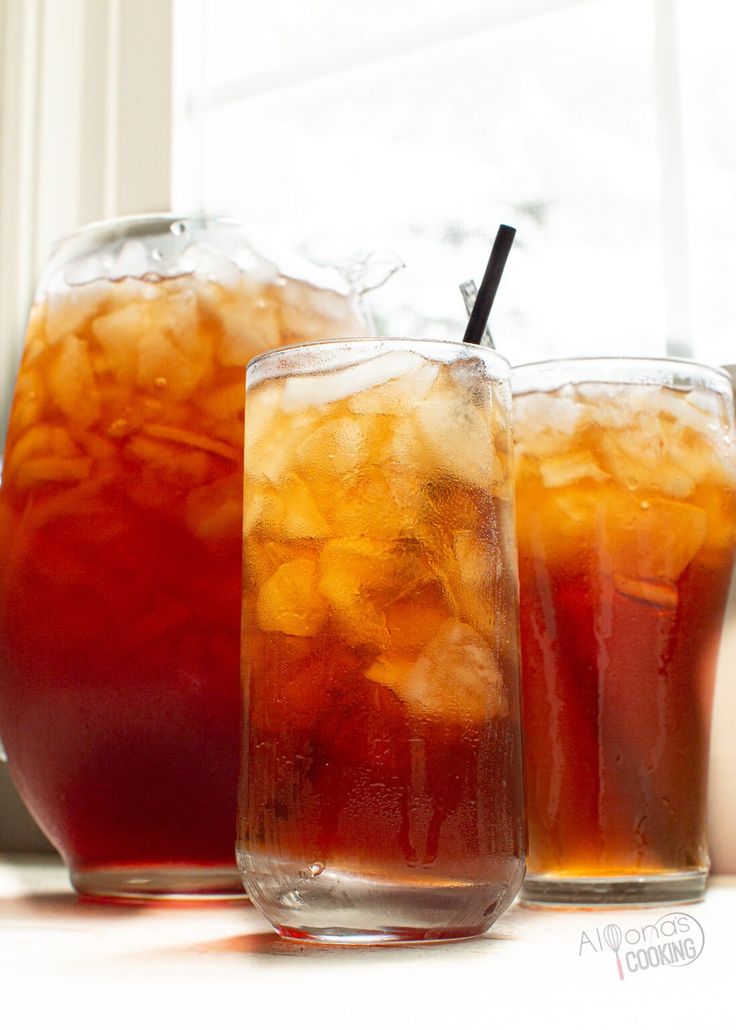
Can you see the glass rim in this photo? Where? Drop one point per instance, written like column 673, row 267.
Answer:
column 644, row 373
column 121, row 224
column 280, row 356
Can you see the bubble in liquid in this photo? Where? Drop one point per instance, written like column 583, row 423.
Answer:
column 118, row 428
column 316, row 868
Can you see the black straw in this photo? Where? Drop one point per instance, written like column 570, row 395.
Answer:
column 489, row 286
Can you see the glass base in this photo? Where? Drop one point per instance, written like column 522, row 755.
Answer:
column 340, row 907
column 631, row 891
column 345, row 935
column 159, row 883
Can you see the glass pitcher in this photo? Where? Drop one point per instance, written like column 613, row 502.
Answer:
column 120, row 528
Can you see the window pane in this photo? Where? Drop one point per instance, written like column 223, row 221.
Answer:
column 245, row 39
column 707, row 34
column 547, row 123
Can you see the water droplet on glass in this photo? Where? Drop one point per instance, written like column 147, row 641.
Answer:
column 160, row 383
column 645, row 505
column 156, row 254
column 316, row 868
column 178, row 229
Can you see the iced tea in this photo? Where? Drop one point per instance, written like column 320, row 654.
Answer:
column 120, row 524
column 626, row 509
column 381, row 793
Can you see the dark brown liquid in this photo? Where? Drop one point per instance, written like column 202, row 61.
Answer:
column 623, row 589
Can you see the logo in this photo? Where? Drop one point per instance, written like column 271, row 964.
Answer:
column 675, row 939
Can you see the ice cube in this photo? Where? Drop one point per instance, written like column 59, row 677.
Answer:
column 647, row 591
column 578, row 509
column 123, row 292
column 103, row 451
column 67, row 311
column 397, row 396
column 117, row 334
column 42, row 440
column 362, row 578
column 157, row 344
column 212, row 264
column 641, row 460
column 458, row 437
column 131, row 261
column 400, row 450
column 351, row 565
column 692, row 409
column 474, row 557
column 289, row 601
column 334, row 448
column 376, row 503
column 249, row 325
column 261, row 557
column 463, row 566
column 709, row 404
column 72, row 382
column 41, row 471
column 655, row 539
column 29, row 400
column 173, row 463
column 413, row 619
column 297, row 515
column 174, row 356
column 263, row 416
column 308, row 312
column 327, row 387
column 175, row 434
column 391, row 672
column 82, row 502
column 271, row 439
column 355, row 567
column 471, row 378
column 570, row 467
column 362, row 626
column 254, row 507
column 456, row 678
column 543, row 421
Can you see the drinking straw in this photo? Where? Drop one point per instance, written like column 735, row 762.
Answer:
column 469, row 292
column 489, row 285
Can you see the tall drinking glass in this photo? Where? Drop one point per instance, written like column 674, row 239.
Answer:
column 120, row 535
column 381, row 795
column 626, row 502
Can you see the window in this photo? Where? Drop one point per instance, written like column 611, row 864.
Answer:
column 347, row 126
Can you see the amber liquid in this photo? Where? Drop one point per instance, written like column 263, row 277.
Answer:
column 625, row 548
column 121, row 513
